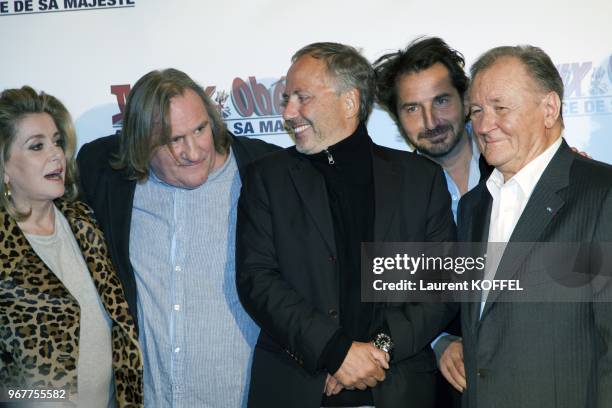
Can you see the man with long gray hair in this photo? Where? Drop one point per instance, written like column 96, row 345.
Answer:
column 165, row 192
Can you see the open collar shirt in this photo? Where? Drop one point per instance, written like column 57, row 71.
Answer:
column 196, row 338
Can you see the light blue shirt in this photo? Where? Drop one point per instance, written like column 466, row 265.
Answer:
column 196, row 338
column 473, row 178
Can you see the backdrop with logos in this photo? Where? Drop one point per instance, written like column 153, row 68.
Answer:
column 89, row 52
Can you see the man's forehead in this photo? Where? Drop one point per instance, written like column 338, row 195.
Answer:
column 507, row 75
column 429, row 83
column 504, row 69
column 187, row 111
column 437, row 70
column 307, row 71
column 188, row 101
column 308, row 63
column 187, row 97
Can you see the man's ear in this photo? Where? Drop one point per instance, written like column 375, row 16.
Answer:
column 466, row 106
column 552, row 109
column 351, row 103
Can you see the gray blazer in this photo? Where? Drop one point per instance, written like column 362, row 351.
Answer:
column 542, row 354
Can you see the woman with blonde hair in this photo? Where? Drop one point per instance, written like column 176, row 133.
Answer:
column 64, row 320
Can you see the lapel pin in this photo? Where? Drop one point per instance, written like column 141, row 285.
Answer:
column 549, row 209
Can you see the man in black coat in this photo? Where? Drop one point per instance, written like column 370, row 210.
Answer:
column 302, row 216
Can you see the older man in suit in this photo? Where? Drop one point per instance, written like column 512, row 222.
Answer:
column 535, row 354
column 303, row 214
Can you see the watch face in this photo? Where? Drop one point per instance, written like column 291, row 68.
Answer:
column 383, row 342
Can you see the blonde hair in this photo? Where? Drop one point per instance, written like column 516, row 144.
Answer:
column 14, row 105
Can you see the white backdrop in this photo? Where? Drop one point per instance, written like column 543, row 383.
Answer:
column 83, row 51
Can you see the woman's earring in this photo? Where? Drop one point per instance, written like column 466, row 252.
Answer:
column 7, row 191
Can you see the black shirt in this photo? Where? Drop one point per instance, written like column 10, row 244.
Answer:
column 347, row 170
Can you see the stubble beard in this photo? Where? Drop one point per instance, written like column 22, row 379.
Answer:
column 437, row 150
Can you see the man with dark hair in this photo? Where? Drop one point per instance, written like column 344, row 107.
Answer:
column 302, row 216
column 165, row 192
column 423, row 87
column 549, row 352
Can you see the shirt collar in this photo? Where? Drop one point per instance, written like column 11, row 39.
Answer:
column 474, row 170
column 216, row 173
column 352, row 149
column 528, row 176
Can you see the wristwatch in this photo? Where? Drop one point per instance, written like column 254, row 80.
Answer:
column 383, row 342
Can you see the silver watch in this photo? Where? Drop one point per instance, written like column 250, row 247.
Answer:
column 383, row 342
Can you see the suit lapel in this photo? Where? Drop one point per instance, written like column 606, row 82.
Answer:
column 117, row 219
column 120, row 201
column 477, row 230
column 242, row 155
column 310, row 186
column 539, row 212
column 387, row 182
column 479, row 227
column 120, row 198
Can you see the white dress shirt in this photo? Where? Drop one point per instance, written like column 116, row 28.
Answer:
column 509, row 200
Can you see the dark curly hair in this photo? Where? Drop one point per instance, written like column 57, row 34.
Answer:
column 419, row 55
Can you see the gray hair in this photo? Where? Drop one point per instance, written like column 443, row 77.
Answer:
column 537, row 63
column 146, row 119
column 349, row 68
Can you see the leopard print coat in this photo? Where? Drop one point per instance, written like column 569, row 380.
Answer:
column 39, row 318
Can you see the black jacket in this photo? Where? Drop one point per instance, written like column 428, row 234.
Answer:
column 287, row 274
column 544, row 354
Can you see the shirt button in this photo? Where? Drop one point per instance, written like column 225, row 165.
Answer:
column 177, row 268
column 333, row 313
column 177, row 307
column 176, row 350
